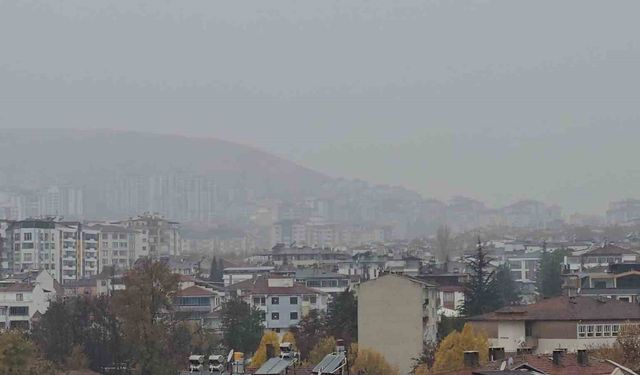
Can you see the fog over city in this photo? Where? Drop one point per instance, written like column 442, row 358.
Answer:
column 495, row 100
column 319, row 187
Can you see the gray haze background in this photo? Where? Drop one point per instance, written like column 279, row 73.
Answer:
column 497, row 100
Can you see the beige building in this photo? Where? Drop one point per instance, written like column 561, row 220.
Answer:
column 397, row 315
column 569, row 323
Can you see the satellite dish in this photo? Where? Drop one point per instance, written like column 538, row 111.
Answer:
column 230, row 356
column 503, row 366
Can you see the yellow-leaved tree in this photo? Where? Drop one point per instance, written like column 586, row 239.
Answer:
column 326, row 345
column 290, row 338
column 370, row 362
column 260, row 357
column 450, row 353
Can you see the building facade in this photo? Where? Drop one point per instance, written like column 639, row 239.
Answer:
column 397, row 316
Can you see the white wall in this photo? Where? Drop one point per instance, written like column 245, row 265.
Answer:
column 510, row 335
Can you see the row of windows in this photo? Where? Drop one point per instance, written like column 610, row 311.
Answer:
column 292, row 316
column 327, row 283
column 603, row 260
column 274, row 301
column 598, row 330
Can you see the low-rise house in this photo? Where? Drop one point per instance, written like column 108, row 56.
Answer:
column 20, row 302
column 397, row 316
column 450, row 287
column 283, row 301
column 196, row 303
column 329, row 282
column 559, row 363
column 600, row 256
column 570, row 323
column 81, row 287
column 233, row 275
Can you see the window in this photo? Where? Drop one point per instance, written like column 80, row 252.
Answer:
column 275, row 316
column 528, row 329
column 314, row 283
column 275, row 301
column 28, row 236
column 582, row 331
column 607, row 330
column 19, row 310
column 590, row 330
column 259, row 301
column 615, row 328
column 27, row 245
column 310, row 299
column 293, row 300
column 19, row 297
column 293, row 316
column 599, row 330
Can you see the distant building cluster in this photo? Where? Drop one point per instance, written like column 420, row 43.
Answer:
column 74, row 250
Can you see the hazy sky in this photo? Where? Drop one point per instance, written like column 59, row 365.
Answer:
column 498, row 100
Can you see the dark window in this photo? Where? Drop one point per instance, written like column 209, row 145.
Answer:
column 275, row 316
column 293, row 300
column 275, row 300
column 19, row 310
column 293, row 316
column 528, row 329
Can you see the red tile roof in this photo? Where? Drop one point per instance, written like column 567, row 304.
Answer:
column 609, row 249
column 568, row 366
column 566, row 308
column 194, row 291
column 260, row 285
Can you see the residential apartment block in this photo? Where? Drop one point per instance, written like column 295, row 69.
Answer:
column 283, row 301
column 22, row 299
column 397, row 316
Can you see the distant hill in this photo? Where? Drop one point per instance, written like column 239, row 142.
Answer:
column 90, row 158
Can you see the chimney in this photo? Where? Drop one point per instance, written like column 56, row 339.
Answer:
column 340, row 346
column 557, row 357
column 471, row 359
column 583, row 357
column 270, row 351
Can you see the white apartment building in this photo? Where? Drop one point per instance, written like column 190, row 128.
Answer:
column 119, row 246
column 20, row 301
column 160, row 237
column 67, row 250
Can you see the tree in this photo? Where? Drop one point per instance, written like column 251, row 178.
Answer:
column 371, row 362
column 77, row 360
column 625, row 350
column 342, row 317
column 241, row 325
column 86, row 322
column 19, row 356
column 508, row 289
column 260, row 357
column 549, row 277
column 480, row 291
column 143, row 308
column 325, row 345
column 443, row 242
column 216, row 274
column 308, row 333
column 450, row 353
column 426, row 360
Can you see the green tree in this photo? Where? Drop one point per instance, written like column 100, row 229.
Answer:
column 342, row 317
column 450, row 353
column 549, row 276
column 480, row 291
column 443, row 242
column 242, row 325
column 216, row 274
column 143, row 308
column 508, row 289
column 308, row 332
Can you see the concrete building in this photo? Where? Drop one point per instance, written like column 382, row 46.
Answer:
column 67, row 250
column 234, row 275
column 160, row 236
column 397, row 316
column 118, row 246
column 570, row 323
column 283, row 301
column 600, row 256
column 21, row 300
